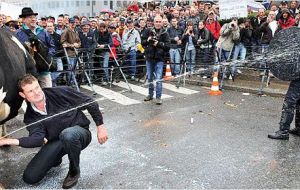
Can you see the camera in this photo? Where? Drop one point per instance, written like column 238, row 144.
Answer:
column 232, row 25
column 153, row 36
column 191, row 32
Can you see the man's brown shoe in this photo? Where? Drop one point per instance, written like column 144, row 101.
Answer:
column 70, row 180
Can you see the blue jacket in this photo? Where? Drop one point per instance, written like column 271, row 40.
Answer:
column 88, row 42
column 42, row 35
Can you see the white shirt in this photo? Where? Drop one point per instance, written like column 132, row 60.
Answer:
column 39, row 111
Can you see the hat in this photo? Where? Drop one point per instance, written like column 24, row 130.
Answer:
column 284, row 3
column 129, row 20
column 83, row 23
column 150, row 19
column 122, row 19
column 111, row 25
column 51, row 17
column 27, row 11
column 94, row 20
column 71, row 20
column 43, row 18
column 11, row 22
column 285, row 11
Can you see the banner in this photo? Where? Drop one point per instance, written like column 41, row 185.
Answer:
column 233, row 8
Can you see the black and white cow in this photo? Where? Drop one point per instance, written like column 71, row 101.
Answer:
column 15, row 61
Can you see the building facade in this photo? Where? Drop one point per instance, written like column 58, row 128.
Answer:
column 89, row 8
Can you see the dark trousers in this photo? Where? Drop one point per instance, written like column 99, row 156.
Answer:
column 71, row 141
column 291, row 102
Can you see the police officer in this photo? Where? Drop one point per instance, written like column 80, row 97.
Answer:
column 157, row 45
column 290, row 103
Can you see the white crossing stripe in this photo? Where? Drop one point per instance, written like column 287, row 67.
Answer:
column 112, row 95
column 138, row 89
column 180, row 90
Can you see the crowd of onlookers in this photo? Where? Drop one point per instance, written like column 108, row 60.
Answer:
column 198, row 36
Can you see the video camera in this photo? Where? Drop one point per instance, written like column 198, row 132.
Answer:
column 153, row 36
column 232, row 25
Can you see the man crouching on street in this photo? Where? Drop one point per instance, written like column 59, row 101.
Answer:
column 65, row 133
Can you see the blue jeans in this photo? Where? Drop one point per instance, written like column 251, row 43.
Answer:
column 72, row 68
column 55, row 75
column 190, row 59
column 239, row 50
column 263, row 63
column 155, row 68
column 131, row 60
column 225, row 55
column 105, row 65
column 70, row 141
column 175, row 60
column 256, row 47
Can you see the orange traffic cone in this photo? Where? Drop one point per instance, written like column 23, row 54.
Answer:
column 214, row 91
column 168, row 74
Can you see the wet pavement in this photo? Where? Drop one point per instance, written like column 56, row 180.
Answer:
column 191, row 141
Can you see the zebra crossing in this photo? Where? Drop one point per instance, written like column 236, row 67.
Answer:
column 120, row 98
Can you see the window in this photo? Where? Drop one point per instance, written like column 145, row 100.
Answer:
column 105, row 2
column 88, row 15
column 88, row 3
column 77, row 3
column 57, row 4
column 124, row 3
column 94, row 2
column 119, row 4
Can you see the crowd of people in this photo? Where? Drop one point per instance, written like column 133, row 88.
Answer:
column 194, row 30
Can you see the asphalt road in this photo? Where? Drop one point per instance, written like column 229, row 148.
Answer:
column 191, row 141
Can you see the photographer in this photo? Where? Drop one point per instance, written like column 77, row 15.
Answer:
column 240, row 48
column 157, row 45
column 229, row 33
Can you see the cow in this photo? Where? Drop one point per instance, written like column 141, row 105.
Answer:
column 15, row 61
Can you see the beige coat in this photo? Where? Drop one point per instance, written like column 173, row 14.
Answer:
column 227, row 37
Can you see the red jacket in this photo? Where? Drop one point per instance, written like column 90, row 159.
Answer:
column 214, row 28
column 134, row 8
column 116, row 44
column 287, row 23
